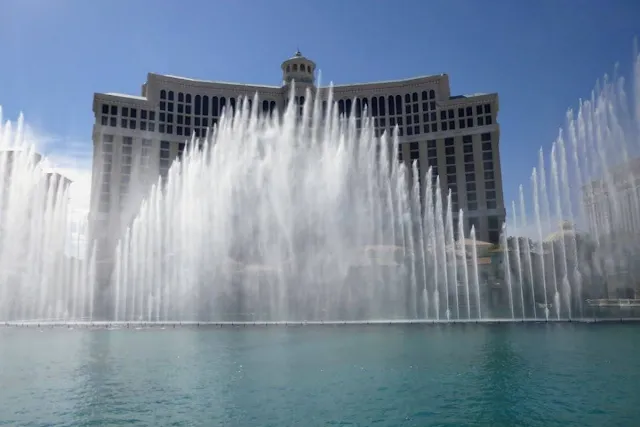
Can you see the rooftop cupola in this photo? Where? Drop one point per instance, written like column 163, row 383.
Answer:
column 299, row 69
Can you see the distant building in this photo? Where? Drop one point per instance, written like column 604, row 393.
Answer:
column 56, row 185
column 612, row 204
column 458, row 136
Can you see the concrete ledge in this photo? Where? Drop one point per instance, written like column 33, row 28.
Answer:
column 160, row 325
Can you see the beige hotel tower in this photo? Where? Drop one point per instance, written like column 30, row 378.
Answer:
column 135, row 138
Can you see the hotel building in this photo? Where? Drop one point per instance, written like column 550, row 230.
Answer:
column 137, row 137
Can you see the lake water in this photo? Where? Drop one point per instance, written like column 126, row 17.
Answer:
column 412, row 375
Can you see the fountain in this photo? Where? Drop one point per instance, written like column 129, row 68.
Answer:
column 40, row 280
column 306, row 218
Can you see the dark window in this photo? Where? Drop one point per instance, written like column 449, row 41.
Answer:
column 492, row 204
column 470, row 177
column 450, row 151
column 163, row 94
column 448, row 142
column 198, row 102
column 381, row 106
column 494, row 223
column 494, row 236
column 205, row 105
column 487, row 155
column 469, row 167
column 214, row 106
column 105, row 109
column 485, row 137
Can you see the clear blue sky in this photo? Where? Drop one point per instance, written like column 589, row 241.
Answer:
column 540, row 56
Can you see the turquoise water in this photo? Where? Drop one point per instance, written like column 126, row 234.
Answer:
column 456, row 375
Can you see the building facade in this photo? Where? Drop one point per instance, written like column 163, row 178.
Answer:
column 136, row 138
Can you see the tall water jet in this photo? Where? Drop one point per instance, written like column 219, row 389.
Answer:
column 507, row 267
column 476, row 276
column 527, row 252
column 518, row 260
column 462, row 251
column 41, row 276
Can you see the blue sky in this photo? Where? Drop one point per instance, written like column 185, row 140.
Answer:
column 540, row 57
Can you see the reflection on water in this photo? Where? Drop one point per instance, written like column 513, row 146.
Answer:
column 466, row 375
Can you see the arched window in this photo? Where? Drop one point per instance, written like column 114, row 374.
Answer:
column 432, row 94
column 288, row 68
column 272, row 106
column 232, row 104
column 188, row 99
column 163, row 94
column 347, row 107
column 358, row 107
column 381, row 108
column 341, row 109
column 197, row 105
column 223, row 104
column 425, row 95
column 170, row 95
column 301, row 103
column 398, row 104
column 180, row 97
column 265, row 106
column 205, row 105
column 392, row 109
column 374, row 106
column 295, row 67
column 365, row 106
column 407, row 98
column 214, row 106
column 414, row 97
